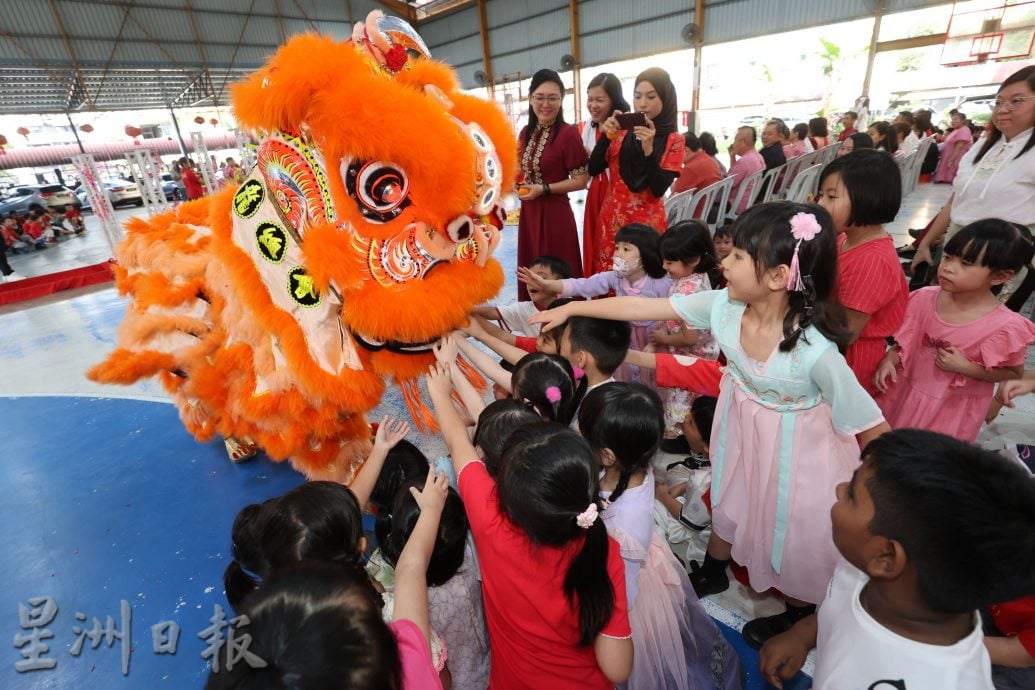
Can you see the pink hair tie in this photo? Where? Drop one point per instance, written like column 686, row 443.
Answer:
column 586, row 518
column 804, row 227
column 579, row 372
column 553, row 394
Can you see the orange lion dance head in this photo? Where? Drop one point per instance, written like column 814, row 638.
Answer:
column 274, row 310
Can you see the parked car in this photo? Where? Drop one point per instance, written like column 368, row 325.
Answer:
column 119, row 192
column 37, row 198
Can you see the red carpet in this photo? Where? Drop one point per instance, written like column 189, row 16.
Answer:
column 31, row 288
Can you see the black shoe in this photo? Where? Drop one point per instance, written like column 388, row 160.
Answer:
column 694, row 462
column 705, row 584
column 676, row 445
column 756, row 632
column 915, row 232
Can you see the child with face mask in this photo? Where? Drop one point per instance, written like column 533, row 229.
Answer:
column 637, row 271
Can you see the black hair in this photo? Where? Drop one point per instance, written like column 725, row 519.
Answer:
column 558, row 266
column 873, row 183
column 818, row 127
column 404, row 462
column 448, row 553
column 890, row 141
column 549, row 478
column 645, row 239
column 702, row 411
column 723, row 231
column 554, row 334
column 538, row 79
column 939, row 498
column 960, row 114
column 860, row 141
column 612, row 86
column 315, row 626
column 319, row 521
column 708, row 143
column 922, row 121
column 907, row 117
column 802, row 130
column 549, row 385
column 902, row 128
column 691, row 141
column 854, row 114
column 751, row 130
column 626, row 419
column 496, row 423
column 764, row 232
column 1026, row 75
column 690, row 240
column 606, row 341
column 781, row 127
column 997, row 244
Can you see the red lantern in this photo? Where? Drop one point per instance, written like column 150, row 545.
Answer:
column 200, row 120
column 3, row 140
column 87, row 128
column 24, row 131
column 213, row 121
column 132, row 131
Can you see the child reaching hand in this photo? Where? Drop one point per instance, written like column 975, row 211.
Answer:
column 789, row 408
column 637, row 271
column 553, row 583
column 957, row 339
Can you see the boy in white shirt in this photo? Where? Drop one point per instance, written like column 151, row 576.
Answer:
column 930, row 530
column 514, row 317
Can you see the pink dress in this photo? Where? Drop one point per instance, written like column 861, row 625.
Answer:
column 926, row 397
column 675, row 643
column 946, row 172
column 418, row 672
column 783, row 439
column 678, row 400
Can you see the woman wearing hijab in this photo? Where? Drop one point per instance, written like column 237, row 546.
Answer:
column 553, row 163
column 603, row 97
column 642, row 162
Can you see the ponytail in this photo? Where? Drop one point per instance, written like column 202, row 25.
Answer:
column 806, row 310
column 623, row 482
column 593, row 595
column 238, row 584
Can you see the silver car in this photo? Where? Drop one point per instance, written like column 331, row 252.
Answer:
column 37, row 197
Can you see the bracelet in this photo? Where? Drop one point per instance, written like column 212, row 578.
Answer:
column 546, row 188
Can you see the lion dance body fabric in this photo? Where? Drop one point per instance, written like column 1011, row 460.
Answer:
column 274, row 311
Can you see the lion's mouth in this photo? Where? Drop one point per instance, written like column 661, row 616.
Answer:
column 397, row 346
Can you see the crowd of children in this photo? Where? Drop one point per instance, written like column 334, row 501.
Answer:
column 535, row 554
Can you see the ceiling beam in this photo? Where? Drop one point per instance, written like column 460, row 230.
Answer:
column 240, row 39
column 201, row 50
column 115, row 46
column 404, row 10
column 78, row 82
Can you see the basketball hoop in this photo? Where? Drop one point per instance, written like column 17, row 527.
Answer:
column 996, row 30
column 985, row 46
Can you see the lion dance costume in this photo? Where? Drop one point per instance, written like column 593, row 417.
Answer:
column 273, row 312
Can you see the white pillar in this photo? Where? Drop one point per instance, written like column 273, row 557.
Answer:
column 148, row 177
column 208, row 175
column 86, row 169
column 246, row 150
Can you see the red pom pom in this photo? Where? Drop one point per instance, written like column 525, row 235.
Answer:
column 395, row 59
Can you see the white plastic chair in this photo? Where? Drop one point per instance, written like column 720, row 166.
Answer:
column 794, row 166
column 803, row 184
column 827, row 153
column 747, row 190
column 677, row 206
column 770, row 180
column 714, row 195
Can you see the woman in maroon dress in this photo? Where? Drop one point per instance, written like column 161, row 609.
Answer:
column 642, row 163
column 603, row 97
column 553, row 162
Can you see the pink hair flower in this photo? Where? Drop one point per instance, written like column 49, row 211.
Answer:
column 804, row 226
column 579, row 372
column 553, row 394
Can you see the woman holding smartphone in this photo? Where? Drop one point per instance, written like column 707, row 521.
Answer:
column 643, row 157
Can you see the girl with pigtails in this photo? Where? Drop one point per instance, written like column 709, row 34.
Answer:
column 789, row 408
column 553, row 582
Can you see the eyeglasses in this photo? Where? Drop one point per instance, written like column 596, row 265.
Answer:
column 540, row 100
column 1012, row 104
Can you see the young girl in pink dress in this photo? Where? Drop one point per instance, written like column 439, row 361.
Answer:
column 957, row 339
column 687, row 253
column 637, row 271
column 676, row 644
column 789, row 408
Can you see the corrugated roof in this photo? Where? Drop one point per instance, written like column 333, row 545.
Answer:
column 44, row 156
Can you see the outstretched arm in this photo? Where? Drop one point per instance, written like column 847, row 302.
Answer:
column 446, row 350
column 451, row 426
column 485, row 364
column 389, row 433
column 507, row 350
column 613, row 308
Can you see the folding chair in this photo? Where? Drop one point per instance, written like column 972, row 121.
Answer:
column 677, row 206
column 746, row 190
column 803, row 184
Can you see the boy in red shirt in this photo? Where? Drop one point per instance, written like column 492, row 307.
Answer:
column 75, row 219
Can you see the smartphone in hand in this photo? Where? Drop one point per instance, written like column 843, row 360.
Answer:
column 630, row 120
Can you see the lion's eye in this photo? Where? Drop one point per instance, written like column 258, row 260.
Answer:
column 380, row 189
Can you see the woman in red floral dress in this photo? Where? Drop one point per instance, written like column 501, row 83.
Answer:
column 603, row 97
column 643, row 162
column 553, row 162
